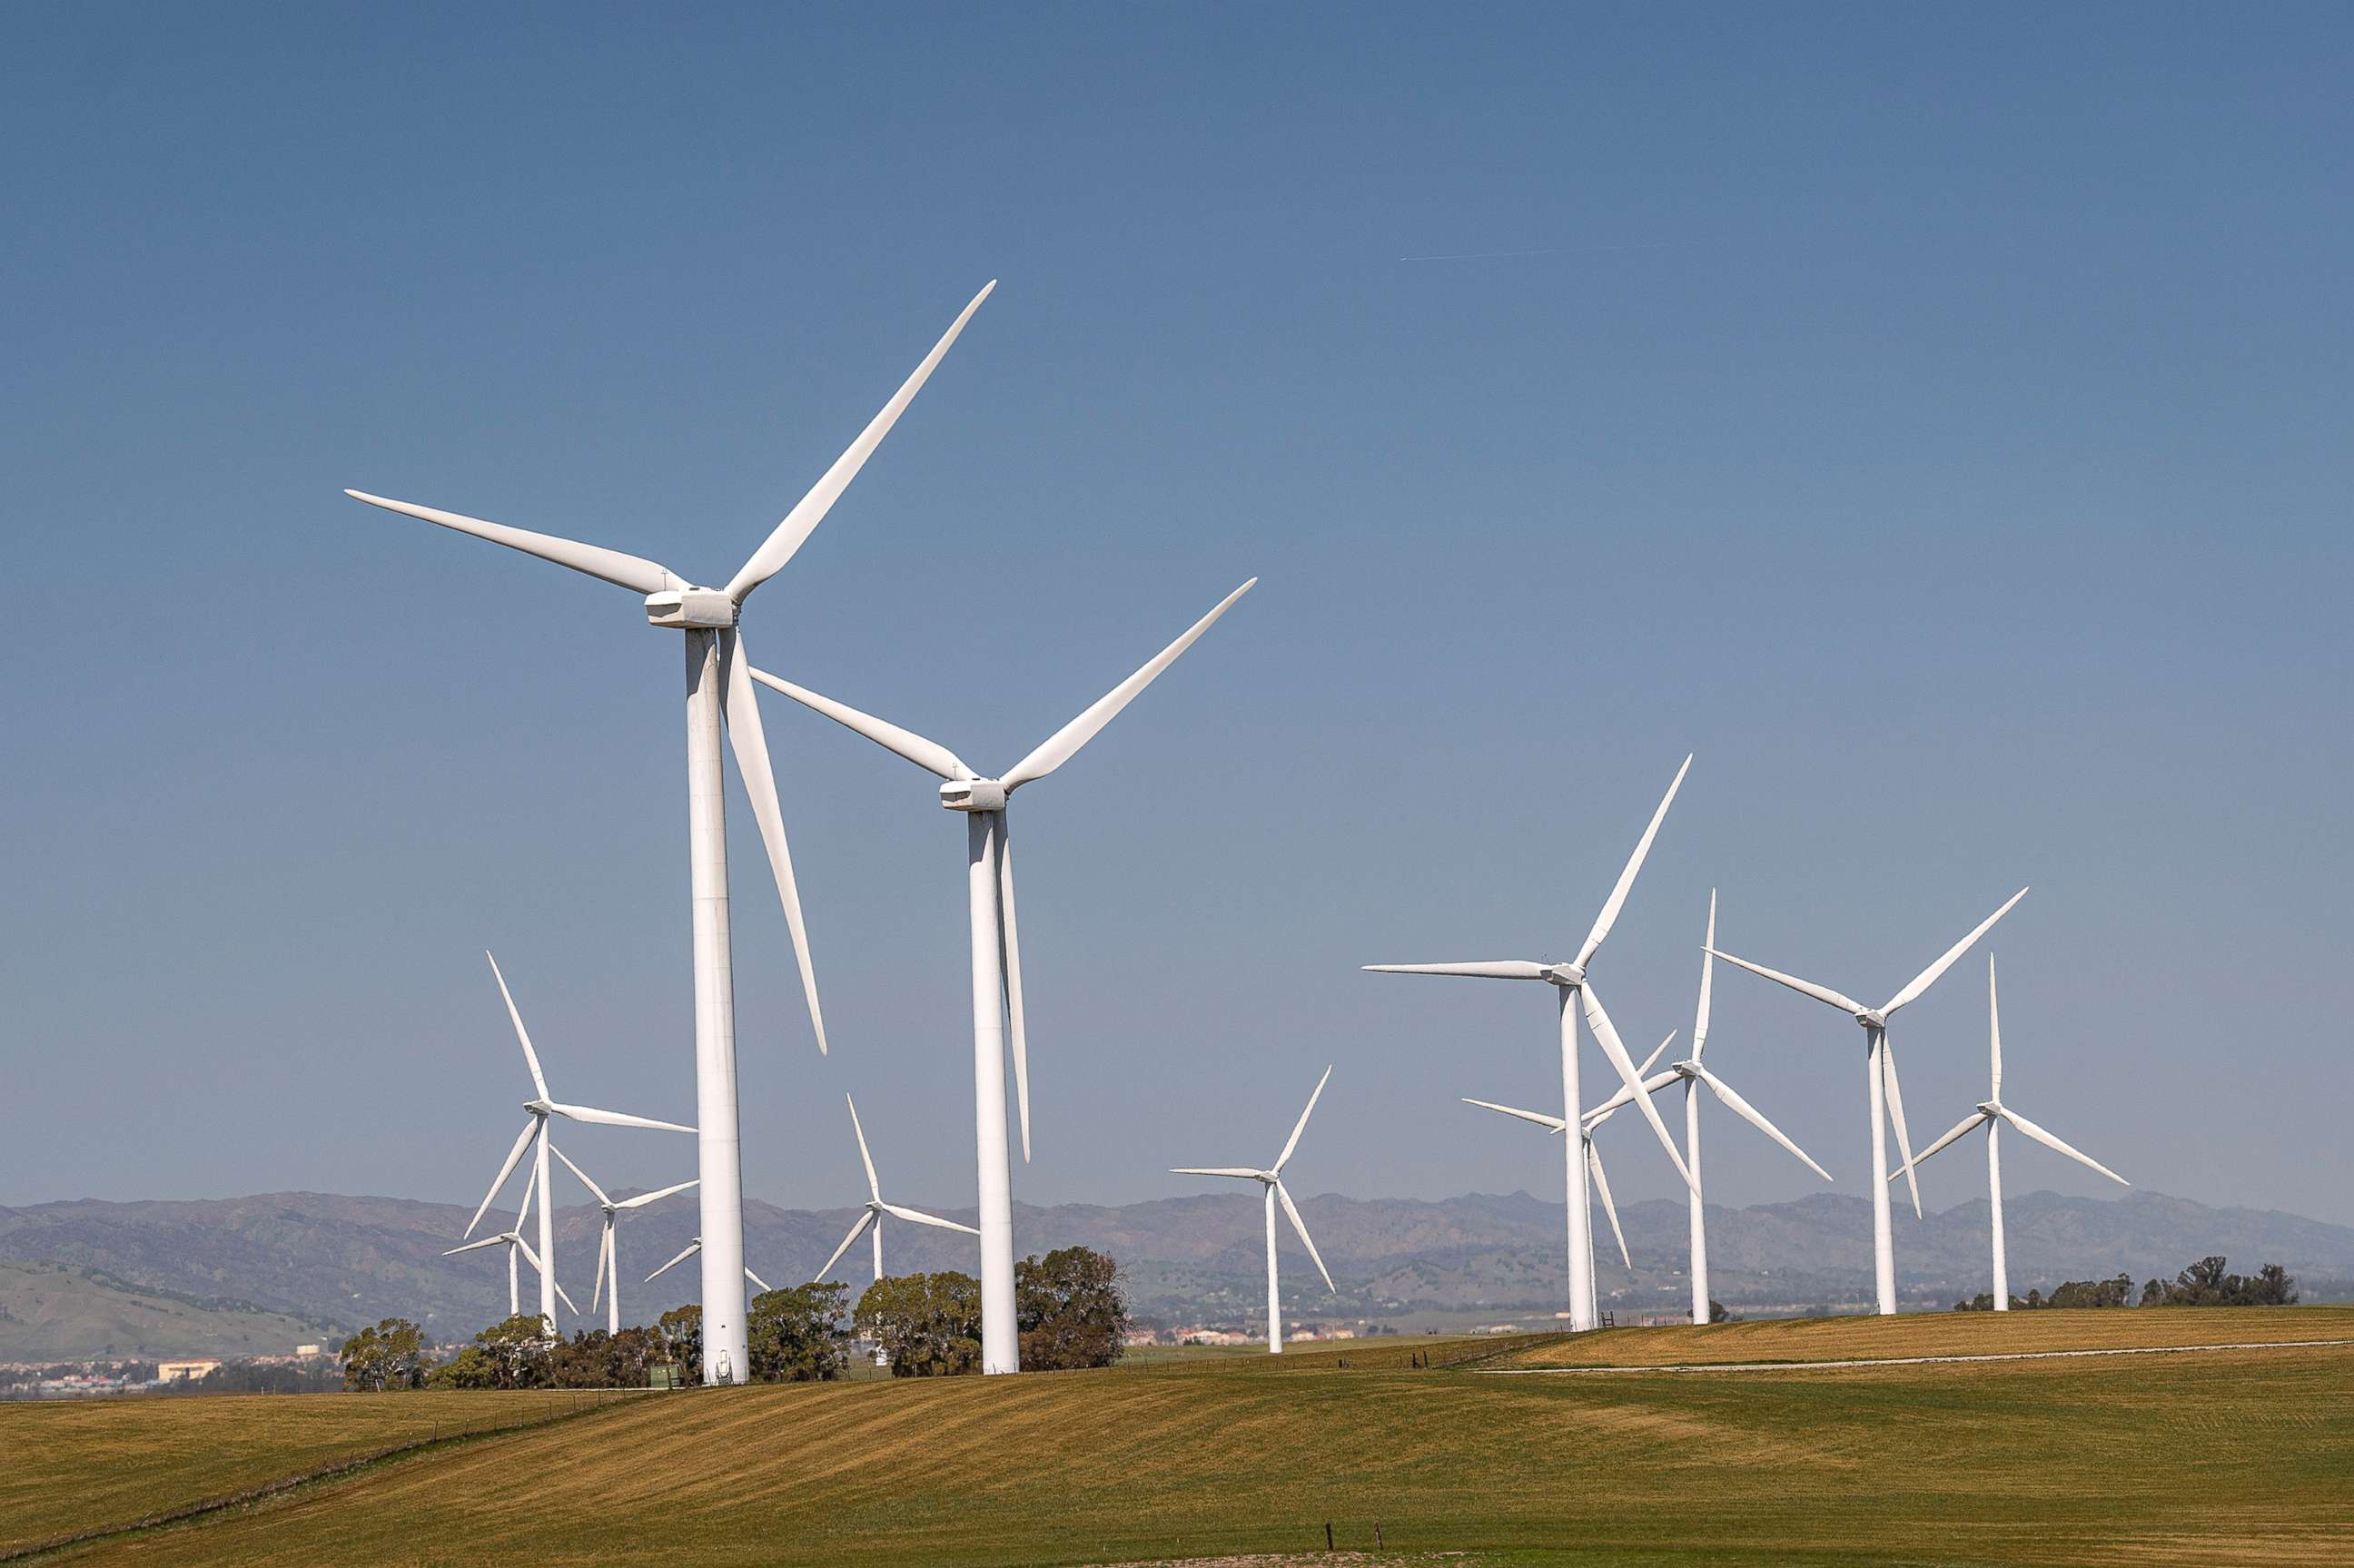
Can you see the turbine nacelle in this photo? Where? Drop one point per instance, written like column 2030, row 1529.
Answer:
column 1569, row 977
column 1873, row 1018
column 1989, row 1108
column 539, row 1107
column 691, row 608
column 973, row 794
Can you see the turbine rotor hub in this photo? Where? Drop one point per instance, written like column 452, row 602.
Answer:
column 1568, row 976
column 1873, row 1018
column 692, row 608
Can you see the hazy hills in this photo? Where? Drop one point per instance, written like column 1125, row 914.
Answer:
column 320, row 1259
column 58, row 1311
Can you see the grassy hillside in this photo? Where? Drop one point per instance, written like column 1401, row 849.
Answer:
column 56, row 1312
column 2215, row 1457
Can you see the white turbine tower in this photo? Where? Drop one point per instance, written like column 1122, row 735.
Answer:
column 535, row 1130
column 1271, row 1181
column 715, row 682
column 1569, row 981
column 606, row 1261
column 997, row 947
column 1887, row 1101
column 512, row 1240
column 1585, row 1126
column 1991, row 1114
column 871, row 1217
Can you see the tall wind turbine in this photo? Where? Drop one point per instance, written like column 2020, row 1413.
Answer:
column 717, row 683
column 1569, row 981
column 534, row 1130
column 1991, row 1114
column 1585, row 1126
column 871, row 1217
column 512, row 1240
column 606, row 1263
column 1271, row 1181
column 997, row 947
column 1880, row 1073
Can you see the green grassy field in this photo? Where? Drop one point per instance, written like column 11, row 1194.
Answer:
column 2222, row 1457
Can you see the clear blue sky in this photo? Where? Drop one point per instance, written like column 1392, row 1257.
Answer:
column 1938, row 423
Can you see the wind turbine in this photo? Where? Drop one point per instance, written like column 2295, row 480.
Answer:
column 1880, row 1073
column 606, row 1263
column 1991, row 1114
column 1586, row 1123
column 1271, row 1181
column 871, row 1217
column 535, row 1130
column 1569, row 981
column 512, row 1240
column 715, row 682
column 997, row 947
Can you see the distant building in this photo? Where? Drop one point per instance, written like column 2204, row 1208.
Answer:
column 193, row 1371
column 308, row 1351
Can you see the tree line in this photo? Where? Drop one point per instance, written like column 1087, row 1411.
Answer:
column 1071, row 1311
column 2203, row 1283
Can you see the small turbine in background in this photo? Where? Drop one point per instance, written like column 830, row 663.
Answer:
column 1271, row 1180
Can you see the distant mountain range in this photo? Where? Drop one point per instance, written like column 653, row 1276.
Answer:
column 311, row 1263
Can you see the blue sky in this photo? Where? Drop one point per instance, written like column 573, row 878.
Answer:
column 1937, row 423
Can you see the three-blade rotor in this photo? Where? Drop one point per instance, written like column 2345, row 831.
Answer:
column 1271, row 1178
column 877, row 1207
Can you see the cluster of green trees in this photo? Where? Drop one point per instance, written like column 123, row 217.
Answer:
column 1069, row 1305
column 2203, row 1283
column 1071, row 1312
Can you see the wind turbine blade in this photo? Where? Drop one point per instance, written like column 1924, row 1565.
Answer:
column 1968, row 1123
column 1554, row 1122
column 1292, row 1209
column 1496, row 968
column 1994, row 1033
column 614, row 1118
column 811, row 510
column 604, row 1259
column 521, row 1142
column 873, row 1186
column 1625, row 1096
column 918, row 1217
column 1245, row 1173
column 1059, row 747
column 1929, row 976
column 477, row 1245
column 1597, row 1020
column 1617, row 900
column 2054, row 1143
column 1301, row 1125
column 1803, row 988
column 691, row 1248
column 866, row 1218
column 1009, row 965
column 749, row 741
column 757, row 1281
column 631, row 572
column 567, row 1299
column 1656, row 1052
column 529, row 1256
column 1602, row 1190
column 927, row 755
column 1896, row 1115
column 643, row 1199
column 1755, row 1119
column 530, row 1185
column 522, row 1035
column 585, row 1181
column 1707, row 980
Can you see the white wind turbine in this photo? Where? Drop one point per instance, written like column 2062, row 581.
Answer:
column 1887, row 1100
column 1570, row 982
column 717, row 683
column 606, row 1263
column 512, row 1240
column 997, row 947
column 1991, row 1114
column 1585, row 1126
column 871, row 1217
column 1693, row 1076
column 691, row 1248
column 1271, row 1180
column 535, row 1129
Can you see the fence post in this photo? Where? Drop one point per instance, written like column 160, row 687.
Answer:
column 1327, row 1535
